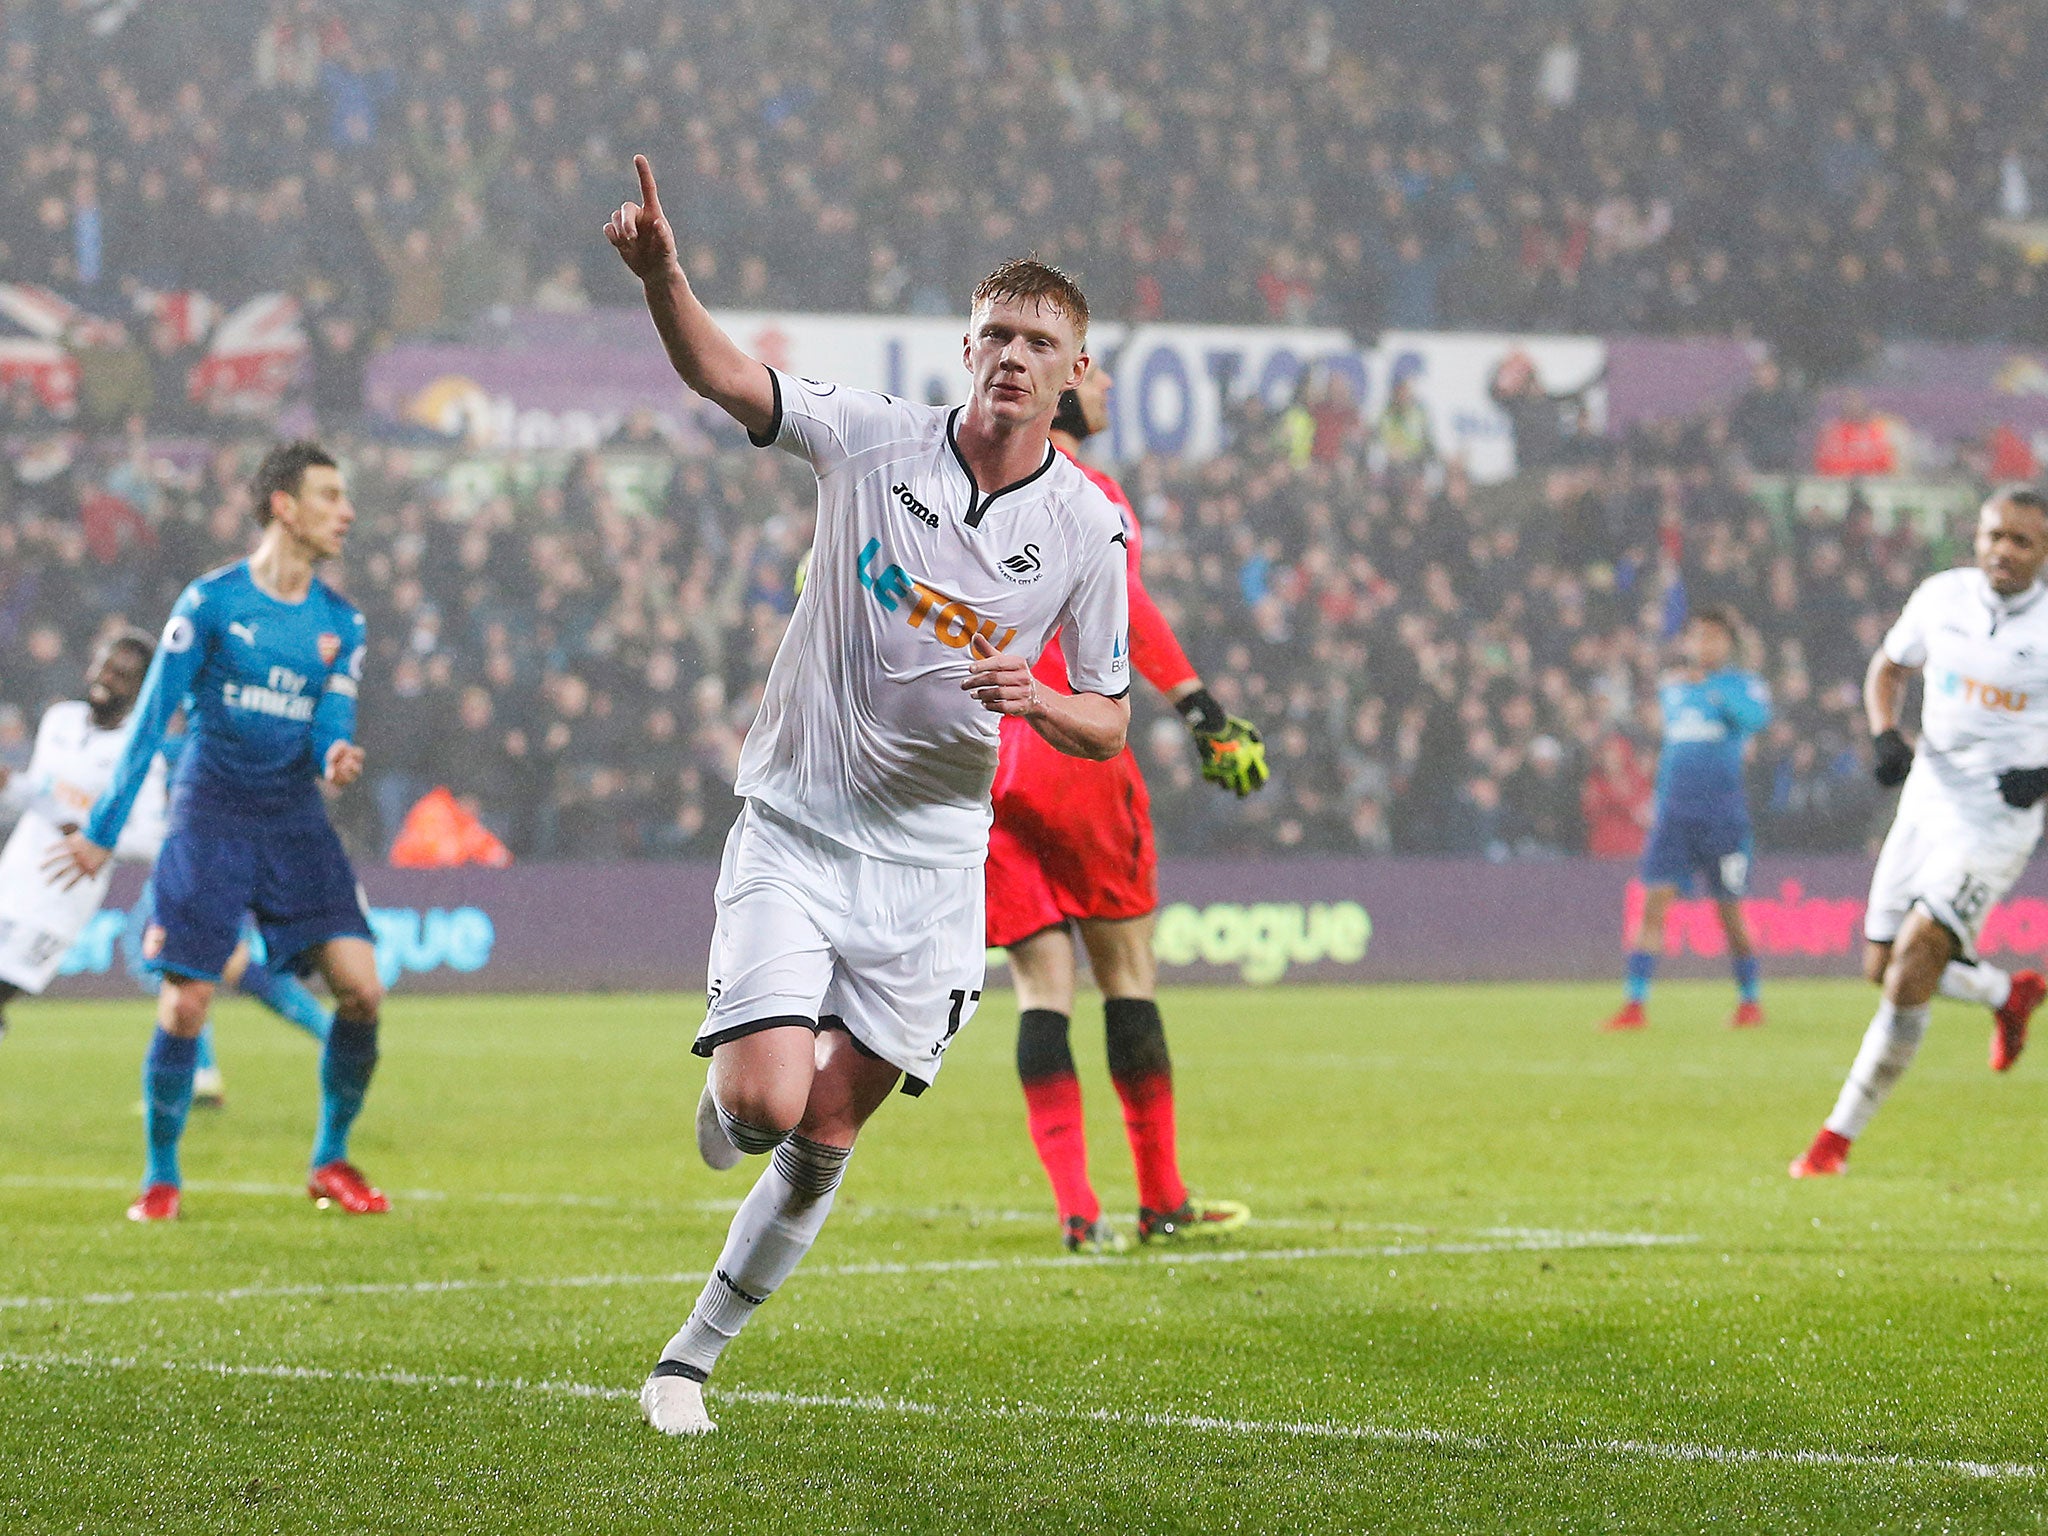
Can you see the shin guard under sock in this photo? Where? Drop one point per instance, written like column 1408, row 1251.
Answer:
column 1889, row 1046
column 1143, row 1073
column 1639, row 972
column 770, row 1234
column 345, row 1069
column 1052, row 1105
column 166, row 1101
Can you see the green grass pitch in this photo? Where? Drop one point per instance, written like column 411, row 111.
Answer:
column 1507, row 1274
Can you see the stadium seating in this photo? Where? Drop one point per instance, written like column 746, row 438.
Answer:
column 1695, row 168
column 1436, row 669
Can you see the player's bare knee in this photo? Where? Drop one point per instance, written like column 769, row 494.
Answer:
column 756, row 1113
column 1922, row 950
column 1877, row 959
column 1120, row 953
column 183, row 1007
column 358, row 997
column 758, row 1117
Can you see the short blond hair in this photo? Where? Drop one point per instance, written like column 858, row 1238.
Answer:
column 1028, row 280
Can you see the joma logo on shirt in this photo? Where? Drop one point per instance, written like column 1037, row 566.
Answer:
column 915, row 507
column 1983, row 695
column 953, row 622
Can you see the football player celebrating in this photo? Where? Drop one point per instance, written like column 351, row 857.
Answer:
column 1711, row 709
column 1970, row 814
column 848, row 950
column 1072, row 848
column 269, row 656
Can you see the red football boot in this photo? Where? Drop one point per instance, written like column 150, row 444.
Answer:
column 344, row 1184
column 159, row 1202
column 1631, row 1016
column 1829, row 1154
column 2009, row 1035
column 1747, row 1016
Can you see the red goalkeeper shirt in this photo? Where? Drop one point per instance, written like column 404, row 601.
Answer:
column 1154, row 651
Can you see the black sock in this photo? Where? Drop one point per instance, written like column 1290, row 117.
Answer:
column 1042, row 1049
column 1137, row 1039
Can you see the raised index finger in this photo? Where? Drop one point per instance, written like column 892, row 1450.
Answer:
column 649, row 198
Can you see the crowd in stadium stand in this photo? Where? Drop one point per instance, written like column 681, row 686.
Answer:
column 1437, row 669
column 1815, row 173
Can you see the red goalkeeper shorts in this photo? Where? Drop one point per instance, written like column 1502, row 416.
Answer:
column 1071, row 839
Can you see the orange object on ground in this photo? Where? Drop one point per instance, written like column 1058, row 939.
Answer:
column 440, row 832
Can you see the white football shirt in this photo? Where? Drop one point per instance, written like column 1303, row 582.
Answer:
column 865, row 735
column 71, row 767
column 1985, row 666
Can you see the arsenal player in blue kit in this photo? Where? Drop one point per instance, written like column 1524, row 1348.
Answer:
column 265, row 659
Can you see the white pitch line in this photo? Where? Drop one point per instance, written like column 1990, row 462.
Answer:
column 1290, row 1429
column 1538, row 1243
column 848, row 1211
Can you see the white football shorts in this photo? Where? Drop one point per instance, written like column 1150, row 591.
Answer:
column 812, row 932
column 39, row 921
column 1955, row 874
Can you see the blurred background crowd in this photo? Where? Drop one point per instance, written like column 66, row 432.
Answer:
column 1438, row 668
column 1819, row 173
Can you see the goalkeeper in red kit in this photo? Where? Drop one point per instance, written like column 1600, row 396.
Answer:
column 1072, row 848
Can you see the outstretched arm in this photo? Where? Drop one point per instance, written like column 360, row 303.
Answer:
column 707, row 358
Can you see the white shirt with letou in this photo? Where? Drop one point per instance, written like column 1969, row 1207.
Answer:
column 865, row 735
column 1984, row 663
column 70, row 768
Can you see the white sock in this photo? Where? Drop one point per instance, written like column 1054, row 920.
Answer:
column 1889, row 1046
column 772, row 1231
column 1981, row 982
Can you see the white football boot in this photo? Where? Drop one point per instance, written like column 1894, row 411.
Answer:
column 675, row 1405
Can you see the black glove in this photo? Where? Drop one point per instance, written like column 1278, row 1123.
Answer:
column 1894, row 758
column 2022, row 787
column 1204, row 715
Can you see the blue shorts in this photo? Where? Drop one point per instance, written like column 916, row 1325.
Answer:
column 135, row 946
column 1715, row 848
column 294, row 878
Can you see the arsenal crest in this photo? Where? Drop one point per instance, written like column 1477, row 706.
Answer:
column 330, row 647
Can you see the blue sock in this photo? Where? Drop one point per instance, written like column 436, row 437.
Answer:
column 1749, row 976
column 287, row 997
column 345, row 1068
column 166, row 1100
column 205, row 1060
column 1642, row 966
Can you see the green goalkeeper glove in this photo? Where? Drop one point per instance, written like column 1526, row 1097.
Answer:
column 1232, row 752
